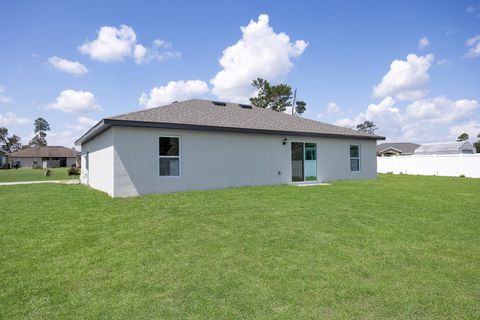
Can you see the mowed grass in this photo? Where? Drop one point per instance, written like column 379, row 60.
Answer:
column 29, row 174
column 401, row 247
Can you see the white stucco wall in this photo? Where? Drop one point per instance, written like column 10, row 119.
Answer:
column 99, row 172
column 211, row 160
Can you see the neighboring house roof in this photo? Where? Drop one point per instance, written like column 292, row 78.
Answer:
column 402, row 147
column 207, row 115
column 444, row 147
column 45, row 152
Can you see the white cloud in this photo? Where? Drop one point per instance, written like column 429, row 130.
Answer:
column 173, row 91
column 112, row 44
column 471, row 127
column 11, row 118
column 259, row 53
column 441, row 109
column 64, row 138
column 3, row 98
column 432, row 119
column 333, row 108
column 72, row 67
column 347, row 123
column 75, row 101
column 140, row 53
column 474, row 44
column 117, row 44
column 423, row 43
column 406, row 80
column 385, row 115
column 82, row 124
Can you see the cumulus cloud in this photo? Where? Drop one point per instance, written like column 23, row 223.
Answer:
column 82, row 124
column 4, row 98
column 423, row 120
column 75, row 102
column 117, row 44
column 406, row 80
column 471, row 127
column 423, row 43
column 259, row 53
column 72, row 67
column 333, row 108
column 173, row 91
column 384, row 114
column 11, row 118
column 347, row 123
column 474, row 44
column 441, row 109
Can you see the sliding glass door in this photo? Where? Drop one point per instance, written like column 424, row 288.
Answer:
column 304, row 161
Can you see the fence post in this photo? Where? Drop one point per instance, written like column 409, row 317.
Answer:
column 462, row 170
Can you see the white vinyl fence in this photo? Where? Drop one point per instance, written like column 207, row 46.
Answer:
column 453, row 165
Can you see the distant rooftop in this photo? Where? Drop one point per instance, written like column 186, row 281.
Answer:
column 445, row 148
column 45, row 152
column 405, row 148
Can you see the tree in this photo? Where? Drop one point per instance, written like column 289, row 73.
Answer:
column 463, row 137
column 367, row 126
column 263, row 99
column 477, row 144
column 276, row 97
column 300, row 107
column 3, row 137
column 41, row 127
column 9, row 144
column 14, row 143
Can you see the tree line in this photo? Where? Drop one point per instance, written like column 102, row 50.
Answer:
column 13, row 143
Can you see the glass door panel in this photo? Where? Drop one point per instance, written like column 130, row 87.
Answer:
column 297, row 161
column 310, row 161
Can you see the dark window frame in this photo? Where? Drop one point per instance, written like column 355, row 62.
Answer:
column 355, row 158
column 178, row 157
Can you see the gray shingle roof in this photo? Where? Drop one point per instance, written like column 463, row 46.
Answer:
column 197, row 114
column 404, row 147
column 45, row 152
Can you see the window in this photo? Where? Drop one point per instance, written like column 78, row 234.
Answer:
column 355, row 157
column 169, row 156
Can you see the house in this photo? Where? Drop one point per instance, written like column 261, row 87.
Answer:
column 396, row 149
column 52, row 156
column 461, row 147
column 202, row 144
column 3, row 159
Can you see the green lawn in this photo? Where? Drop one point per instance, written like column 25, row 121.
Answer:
column 401, row 247
column 29, row 174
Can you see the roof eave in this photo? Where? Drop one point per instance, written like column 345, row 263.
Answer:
column 106, row 123
column 93, row 132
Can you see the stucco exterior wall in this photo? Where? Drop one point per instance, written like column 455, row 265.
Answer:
column 98, row 172
column 211, row 160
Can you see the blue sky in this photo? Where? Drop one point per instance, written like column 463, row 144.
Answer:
column 74, row 63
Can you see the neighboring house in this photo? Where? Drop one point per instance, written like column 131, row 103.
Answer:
column 3, row 159
column 53, row 156
column 396, row 149
column 202, row 144
column 462, row 147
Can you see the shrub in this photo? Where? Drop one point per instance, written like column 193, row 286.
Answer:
column 47, row 173
column 73, row 171
column 462, row 176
